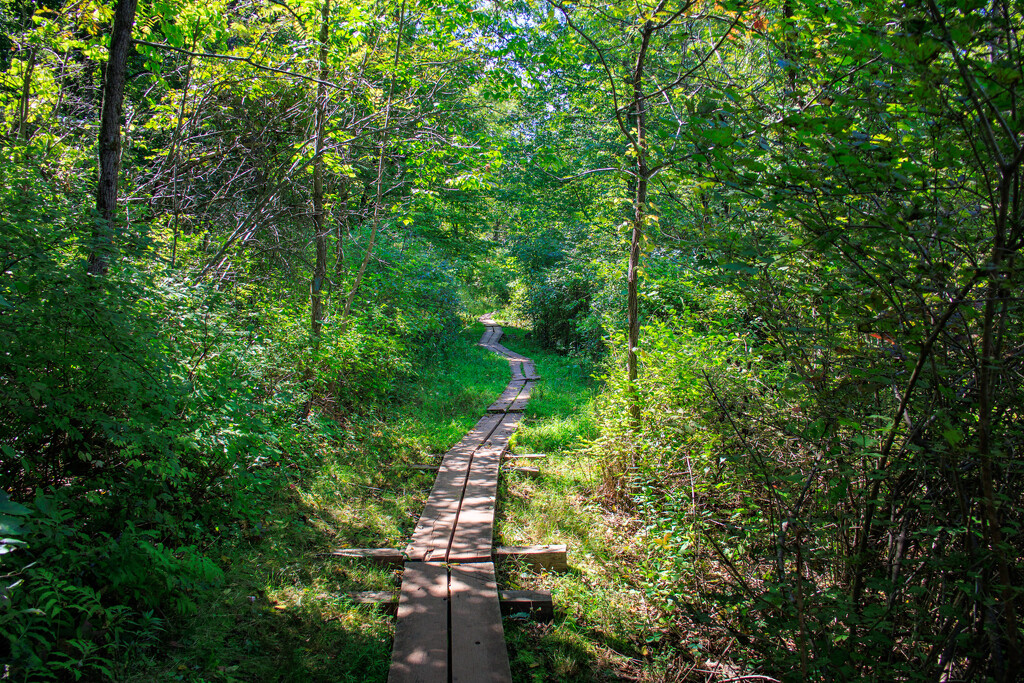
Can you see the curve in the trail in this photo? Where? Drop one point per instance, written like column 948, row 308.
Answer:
column 449, row 618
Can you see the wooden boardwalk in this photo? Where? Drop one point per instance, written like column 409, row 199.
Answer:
column 449, row 616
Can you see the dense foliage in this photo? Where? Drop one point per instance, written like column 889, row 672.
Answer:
column 788, row 231
column 823, row 434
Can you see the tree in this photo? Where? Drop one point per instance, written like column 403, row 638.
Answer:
column 650, row 67
column 110, row 136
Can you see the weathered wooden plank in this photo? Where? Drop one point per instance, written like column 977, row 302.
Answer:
column 532, row 472
column 537, row 605
column 516, row 367
column 386, row 600
column 522, row 399
column 433, row 533
column 509, row 354
column 476, row 436
column 434, row 529
column 489, row 336
column 474, row 531
column 536, row 557
column 511, row 392
column 530, row 370
column 389, row 557
column 479, row 654
column 503, row 432
column 420, row 651
column 551, row 557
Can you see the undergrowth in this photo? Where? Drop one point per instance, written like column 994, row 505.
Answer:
column 281, row 612
column 603, row 630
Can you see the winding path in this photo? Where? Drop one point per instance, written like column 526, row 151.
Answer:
column 449, row 618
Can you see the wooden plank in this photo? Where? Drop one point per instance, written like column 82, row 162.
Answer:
column 522, row 399
column 516, row 368
column 511, row 355
column 389, row 557
column 532, row 472
column 387, row 601
column 507, row 396
column 436, row 525
column 524, row 456
column 488, row 336
column 537, row 605
column 551, row 557
column 474, row 531
column 476, row 436
column 536, row 557
column 503, row 432
column 530, row 371
column 479, row 654
column 420, row 651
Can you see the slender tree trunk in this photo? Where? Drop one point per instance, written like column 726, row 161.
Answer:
column 638, row 121
column 110, row 136
column 26, row 93
column 988, row 380
column 319, row 231
column 380, row 174
column 174, row 154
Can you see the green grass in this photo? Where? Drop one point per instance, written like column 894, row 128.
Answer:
column 281, row 613
column 602, row 627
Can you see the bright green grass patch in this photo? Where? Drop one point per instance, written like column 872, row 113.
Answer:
column 282, row 613
column 602, row 626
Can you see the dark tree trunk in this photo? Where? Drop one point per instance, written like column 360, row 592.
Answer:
column 638, row 122
column 319, row 229
column 110, row 136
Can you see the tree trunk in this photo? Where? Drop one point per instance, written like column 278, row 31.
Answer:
column 638, row 121
column 319, row 230
column 26, row 93
column 110, row 136
column 380, row 173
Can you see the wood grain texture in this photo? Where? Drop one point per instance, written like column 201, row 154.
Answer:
column 536, row 605
column 530, row 371
column 536, row 557
column 503, row 432
column 519, row 404
column 510, row 394
column 474, row 531
column 478, row 647
column 436, row 525
column 420, row 652
column 389, row 557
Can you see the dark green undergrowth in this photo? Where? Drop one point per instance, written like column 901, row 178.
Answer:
column 281, row 612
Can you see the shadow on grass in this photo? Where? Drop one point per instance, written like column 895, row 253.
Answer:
column 281, row 613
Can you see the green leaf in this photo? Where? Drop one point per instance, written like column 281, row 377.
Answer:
column 9, row 507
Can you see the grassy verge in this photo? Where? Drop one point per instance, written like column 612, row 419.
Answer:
column 281, row 614
column 603, row 627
